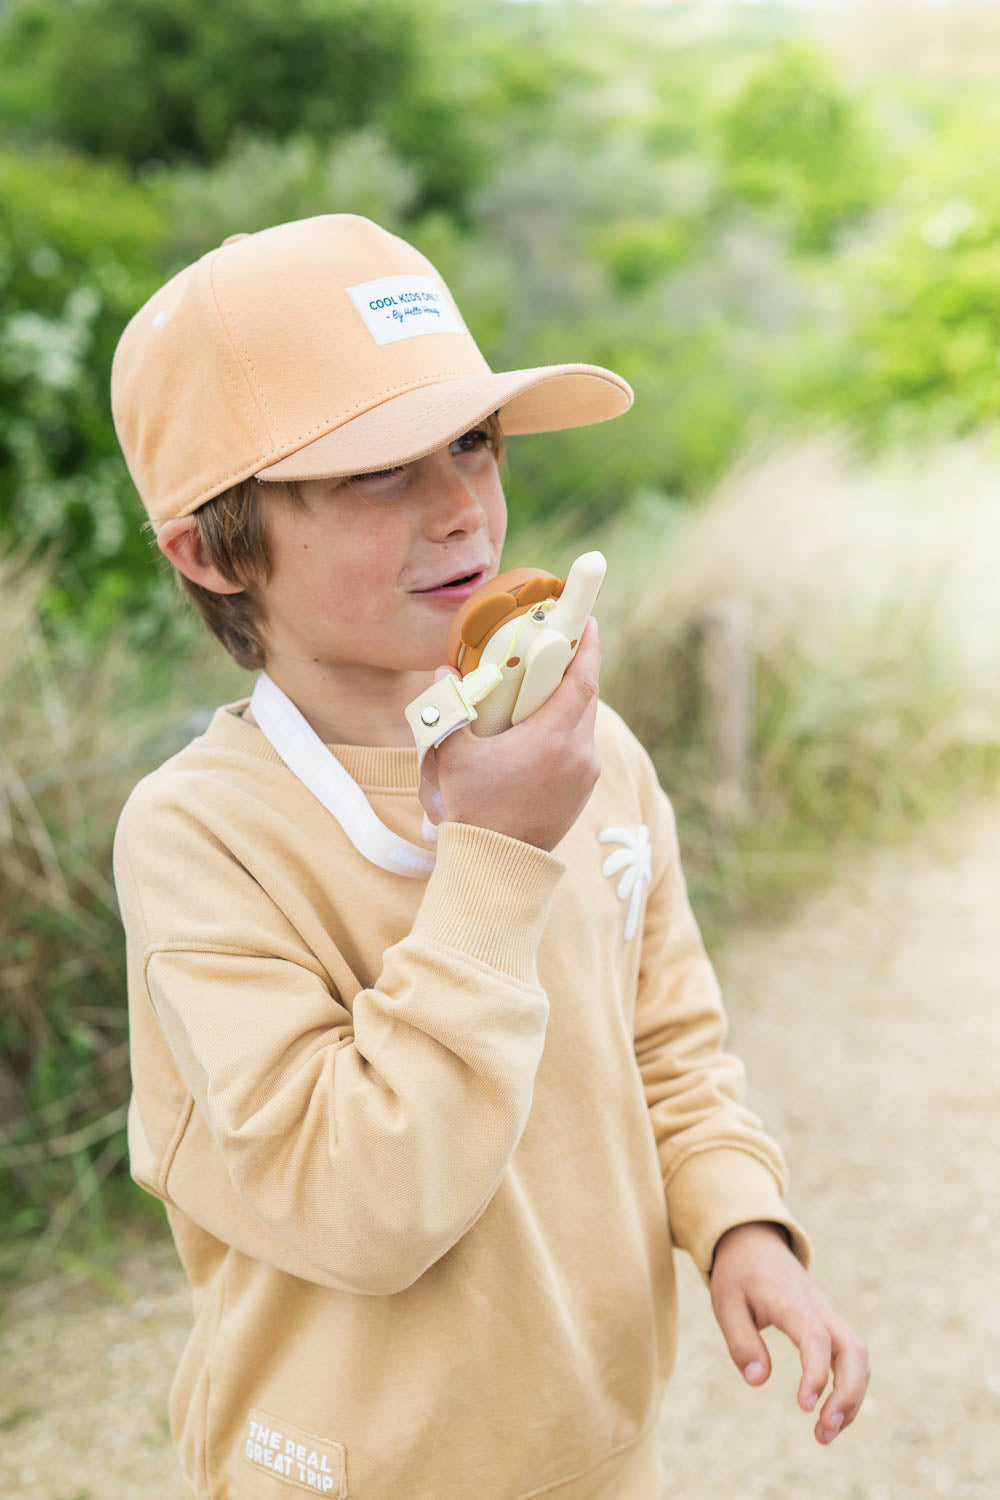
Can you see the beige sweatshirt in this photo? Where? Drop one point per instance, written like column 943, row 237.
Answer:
column 424, row 1144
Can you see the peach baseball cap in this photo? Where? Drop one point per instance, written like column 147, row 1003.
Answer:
column 323, row 347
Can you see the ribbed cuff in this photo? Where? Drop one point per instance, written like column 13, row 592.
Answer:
column 489, row 897
column 714, row 1190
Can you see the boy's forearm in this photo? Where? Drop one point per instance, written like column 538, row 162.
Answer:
column 369, row 1147
column 720, row 1167
column 364, row 1141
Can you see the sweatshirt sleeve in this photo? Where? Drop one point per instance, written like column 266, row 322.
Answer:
column 358, row 1143
column 719, row 1166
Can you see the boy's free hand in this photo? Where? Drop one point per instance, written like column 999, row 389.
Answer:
column 532, row 781
column 757, row 1283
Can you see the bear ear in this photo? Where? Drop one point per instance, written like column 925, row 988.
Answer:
column 485, row 616
column 503, row 596
column 537, row 589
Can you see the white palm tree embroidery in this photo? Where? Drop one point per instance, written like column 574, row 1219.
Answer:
column 635, row 861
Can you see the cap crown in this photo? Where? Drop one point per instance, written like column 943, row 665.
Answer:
column 269, row 342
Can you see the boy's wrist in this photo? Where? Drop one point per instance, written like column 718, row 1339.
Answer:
column 504, row 930
column 753, row 1229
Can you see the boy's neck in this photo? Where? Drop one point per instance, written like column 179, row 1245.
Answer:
column 360, row 706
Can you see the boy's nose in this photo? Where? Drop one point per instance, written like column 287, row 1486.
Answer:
column 453, row 504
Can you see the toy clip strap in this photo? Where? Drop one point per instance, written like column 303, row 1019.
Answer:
column 449, row 705
column 306, row 756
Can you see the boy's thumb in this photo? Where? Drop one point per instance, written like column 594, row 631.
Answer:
column 442, row 672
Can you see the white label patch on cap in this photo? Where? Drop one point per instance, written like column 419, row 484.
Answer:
column 401, row 307
column 295, row 1456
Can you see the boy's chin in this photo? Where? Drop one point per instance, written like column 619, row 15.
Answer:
column 427, row 663
column 424, row 655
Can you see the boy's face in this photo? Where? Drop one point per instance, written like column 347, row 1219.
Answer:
column 353, row 566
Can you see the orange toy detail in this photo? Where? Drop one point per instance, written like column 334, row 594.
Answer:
column 493, row 604
column 511, row 642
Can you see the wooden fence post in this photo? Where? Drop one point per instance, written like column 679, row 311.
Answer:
column 726, row 659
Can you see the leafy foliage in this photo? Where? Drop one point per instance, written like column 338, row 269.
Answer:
column 795, row 141
column 690, row 229
column 927, row 304
column 78, row 251
column 753, row 241
column 184, row 76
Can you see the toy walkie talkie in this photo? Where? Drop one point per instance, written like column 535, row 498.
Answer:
column 512, row 640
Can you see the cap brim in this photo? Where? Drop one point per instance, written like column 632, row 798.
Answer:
column 416, row 422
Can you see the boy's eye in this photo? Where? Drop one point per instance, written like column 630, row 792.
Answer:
column 380, row 482
column 383, row 486
column 469, row 441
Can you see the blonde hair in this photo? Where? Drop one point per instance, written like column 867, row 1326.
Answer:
column 234, row 533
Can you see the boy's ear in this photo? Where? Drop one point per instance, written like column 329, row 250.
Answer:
column 180, row 541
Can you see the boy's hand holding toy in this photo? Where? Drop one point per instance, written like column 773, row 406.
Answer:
column 526, row 648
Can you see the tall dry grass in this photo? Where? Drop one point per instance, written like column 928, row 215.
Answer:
column 875, row 629
column 78, row 729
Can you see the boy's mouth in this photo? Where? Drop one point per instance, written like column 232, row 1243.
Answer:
column 455, row 588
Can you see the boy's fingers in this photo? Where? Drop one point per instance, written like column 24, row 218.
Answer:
column 577, row 694
column 574, row 700
column 801, row 1322
column 746, row 1347
column 809, row 1335
column 851, row 1376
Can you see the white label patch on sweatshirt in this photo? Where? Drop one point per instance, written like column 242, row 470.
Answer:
column 311, row 1463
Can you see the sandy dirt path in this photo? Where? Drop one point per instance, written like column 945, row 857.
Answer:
column 870, row 1026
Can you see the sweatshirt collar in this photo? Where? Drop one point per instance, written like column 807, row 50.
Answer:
column 375, row 768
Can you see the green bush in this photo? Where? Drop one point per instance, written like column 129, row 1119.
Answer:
column 796, row 142
column 78, row 253
column 926, row 299
column 187, row 80
column 690, row 230
column 263, row 182
column 169, row 78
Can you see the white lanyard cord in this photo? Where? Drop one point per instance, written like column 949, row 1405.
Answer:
column 306, row 756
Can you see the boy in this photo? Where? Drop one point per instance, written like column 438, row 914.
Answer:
column 424, row 1135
